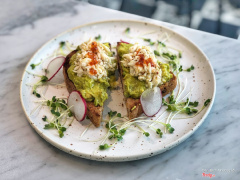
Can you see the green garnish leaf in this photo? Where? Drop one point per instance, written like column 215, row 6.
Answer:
column 112, row 113
column 161, row 43
column 173, row 64
column 194, row 104
column 109, row 125
column 62, row 129
column 190, row 69
column 207, row 102
column 49, row 126
column 180, row 55
column 38, row 95
column 147, row 40
column 194, row 110
column 52, row 111
column 103, row 147
column 171, row 99
column 171, row 56
column 63, row 106
column 57, row 114
column 119, row 137
column 190, row 110
column 98, row 38
column 158, row 131
column 54, row 99
column 122, row 132
column 44, row 118
column 152, row 43
column 171, row 108
column 127, row 30
column 60, row 133
column 180, row 69
column 70, row 114
column 44, row 79
column 62, row 43
column 114, row 130
column 164, row 101
column 156, row 53
column 169, row 128
column 33, row 66
column 111, row 136
column 146, row 134
column 119, row 115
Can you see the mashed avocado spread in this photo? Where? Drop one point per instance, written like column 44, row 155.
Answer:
column 91, row 90
column 133, row 87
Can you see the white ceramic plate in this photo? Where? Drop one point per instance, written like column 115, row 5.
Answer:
column 134, row 145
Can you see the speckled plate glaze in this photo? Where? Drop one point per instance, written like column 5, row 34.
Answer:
column 134, row 145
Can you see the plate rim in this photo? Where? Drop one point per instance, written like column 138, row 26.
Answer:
column 121, row 158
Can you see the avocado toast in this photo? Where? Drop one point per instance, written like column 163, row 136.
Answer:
column 90, row 69
column 140, row 70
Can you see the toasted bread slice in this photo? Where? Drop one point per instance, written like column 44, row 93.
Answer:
column 134, row 107
column 93, row 112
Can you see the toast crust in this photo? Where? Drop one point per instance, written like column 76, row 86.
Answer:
column 134, row 107
column 93, row 112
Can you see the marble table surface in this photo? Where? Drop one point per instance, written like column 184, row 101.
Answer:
column 213, row 149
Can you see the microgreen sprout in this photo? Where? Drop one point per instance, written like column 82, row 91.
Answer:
column 61, row 113
column 127, row 30
column 44, row 118
column 183, row 107
column 62, row 44
column 180, row 54
column 171, row 99
column 117, row 125
column 190, row 69
column 207, row 102
column 98, row 38
column 180, row 69
column 35, row 65
column 119, row 115
column 169, row 128
column 156, row 53
column 194, row 104
column 161, row 43
column 149, row 40
column 41, row 82
column 104, row 146
column 169, row 55
column 159, row 132
column 204, row 105
column 146, row 134
column 112, row 113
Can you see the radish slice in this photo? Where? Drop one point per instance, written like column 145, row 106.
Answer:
column 78, row 105
column 151, row 101
column 54, row 67
column 124, row 42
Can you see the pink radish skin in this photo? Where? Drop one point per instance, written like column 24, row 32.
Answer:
column 152, row 103
column 52, row 71
column 124, row 42
column 79, row 105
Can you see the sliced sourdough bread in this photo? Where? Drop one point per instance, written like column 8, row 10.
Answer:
column 93, row 112
column 133, row 105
